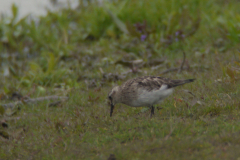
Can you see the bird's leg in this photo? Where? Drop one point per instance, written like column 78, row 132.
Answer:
column 111, row 110
column 152, row 111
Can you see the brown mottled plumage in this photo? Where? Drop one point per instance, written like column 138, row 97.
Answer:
column 143, row 91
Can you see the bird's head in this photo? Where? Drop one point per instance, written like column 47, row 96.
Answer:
column 113, row 97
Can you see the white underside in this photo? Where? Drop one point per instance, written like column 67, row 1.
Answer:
column 153, row 97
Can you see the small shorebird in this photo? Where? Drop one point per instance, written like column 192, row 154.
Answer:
column 143, row 91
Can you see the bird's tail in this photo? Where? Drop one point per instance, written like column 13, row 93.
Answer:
column 175, row 83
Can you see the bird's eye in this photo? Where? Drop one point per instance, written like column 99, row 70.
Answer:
column 109, row 97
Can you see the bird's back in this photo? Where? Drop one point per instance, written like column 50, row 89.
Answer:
column 148, row 90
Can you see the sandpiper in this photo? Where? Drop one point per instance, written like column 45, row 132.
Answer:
column 143, row 91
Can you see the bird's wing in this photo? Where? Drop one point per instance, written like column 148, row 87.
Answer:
column 150, row 83
column 147, row 83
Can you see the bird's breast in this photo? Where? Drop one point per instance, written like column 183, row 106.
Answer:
column 149, row 98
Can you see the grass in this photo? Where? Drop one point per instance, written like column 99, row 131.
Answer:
column 83, row 53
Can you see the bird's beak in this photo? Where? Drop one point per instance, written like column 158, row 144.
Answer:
column 111, row 111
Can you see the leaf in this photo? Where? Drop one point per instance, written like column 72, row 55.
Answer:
column 200, row 103
column 145, row 109
column 124, row 63
column 18, row 132
column 155, row 62
column 12, row 71
column 6, row 90
column 4, row 134
column 130, row 63
column 25, row 82
column 4, row 123
column 193, row 102
column 187, row 91
column 6, row 71
column 11, row 112
column 2, row 110
column 51, row 62
column 35, row 68
column 230, row 73
column 118, row 22
column 59, row 126
column 237, row 63
column 178, row 100
column 132, row 30
column 41, row 89
column 111, row 157
column 55, row 104
column 91, row 99
column 14, row 11
column 3, row 96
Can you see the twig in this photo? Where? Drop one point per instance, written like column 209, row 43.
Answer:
column 172, row 70
column 32, row 100
column 236, row 68
column 184, row 57
column 178, row 68
column 31, row 92
column 170, row 133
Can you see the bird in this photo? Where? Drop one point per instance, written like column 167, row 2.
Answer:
column 143, row 91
